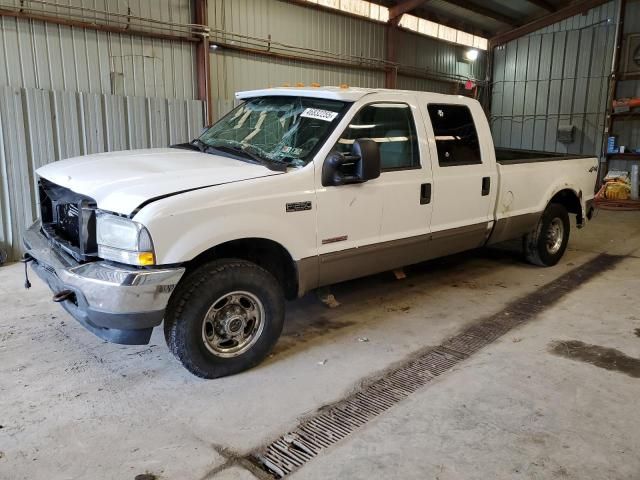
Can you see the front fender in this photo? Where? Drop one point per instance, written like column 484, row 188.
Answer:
column 188, row 244
column 184, row 226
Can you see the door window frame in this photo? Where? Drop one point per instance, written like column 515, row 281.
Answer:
column 415, row 132
column 454, row 164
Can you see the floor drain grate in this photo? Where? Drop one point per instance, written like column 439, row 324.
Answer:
column 291, row 451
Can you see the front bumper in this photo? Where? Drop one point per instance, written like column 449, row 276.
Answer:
column 117, row 303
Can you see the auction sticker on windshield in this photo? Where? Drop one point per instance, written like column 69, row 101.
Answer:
column 319, row 114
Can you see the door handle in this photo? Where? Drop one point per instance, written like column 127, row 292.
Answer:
column 486, row 186
column 425, row 193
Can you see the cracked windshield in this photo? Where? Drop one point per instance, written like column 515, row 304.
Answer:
column 285, row 130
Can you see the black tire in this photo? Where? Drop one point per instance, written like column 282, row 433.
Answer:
column 536, row 244
column 186, row 330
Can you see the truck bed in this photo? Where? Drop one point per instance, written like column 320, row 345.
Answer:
column 510, row 156
column 529, row 181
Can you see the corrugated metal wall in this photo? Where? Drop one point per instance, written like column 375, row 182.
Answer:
column 421, row 84
column 628, row 128
column 40, row 126
column 69, row 91
column 293, row 25
column 237, row 71
column 177, row 11
column 555, row 76
column 301, row 26
column 43, row 55
column 331, row 33
column 441, row 58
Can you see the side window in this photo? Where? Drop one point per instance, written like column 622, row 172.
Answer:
column 456, row 137
column 391, row 125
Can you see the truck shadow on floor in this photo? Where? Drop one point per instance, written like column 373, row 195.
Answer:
column 309, row 320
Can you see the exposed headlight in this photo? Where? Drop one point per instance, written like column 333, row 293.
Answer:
column 123, row 240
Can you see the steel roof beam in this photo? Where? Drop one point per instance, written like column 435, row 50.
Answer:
column 395, row 13
column 485, row 12
column 549, row 7
column 545, row 21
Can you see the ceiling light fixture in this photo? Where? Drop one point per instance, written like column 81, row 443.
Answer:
column 471, row 55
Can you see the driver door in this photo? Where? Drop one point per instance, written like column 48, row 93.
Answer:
column 363, row 228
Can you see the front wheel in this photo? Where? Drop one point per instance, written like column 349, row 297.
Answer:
column 224, row 318
column 546, row 245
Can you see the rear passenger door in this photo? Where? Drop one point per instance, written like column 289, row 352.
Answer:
column 464, row 175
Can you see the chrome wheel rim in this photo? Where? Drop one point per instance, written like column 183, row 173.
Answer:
column 555, row 236
column 233, row 324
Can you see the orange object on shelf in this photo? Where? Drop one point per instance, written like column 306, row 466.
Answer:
column 617, row 191
column 614, row 188
column 626, row 103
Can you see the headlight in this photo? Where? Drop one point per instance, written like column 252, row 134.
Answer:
column 123, row 240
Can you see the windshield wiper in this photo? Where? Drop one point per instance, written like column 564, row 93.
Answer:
column 247, row 152
column 199, row 144
column 196, row 144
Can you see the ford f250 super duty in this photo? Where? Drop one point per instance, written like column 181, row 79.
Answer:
column 292, row 190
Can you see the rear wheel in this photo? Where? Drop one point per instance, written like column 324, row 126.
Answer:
column 546, row 245
column 224, row 318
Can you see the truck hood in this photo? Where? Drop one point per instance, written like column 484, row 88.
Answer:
column 122, row 181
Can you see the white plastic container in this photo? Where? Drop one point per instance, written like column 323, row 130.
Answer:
column 635, row 179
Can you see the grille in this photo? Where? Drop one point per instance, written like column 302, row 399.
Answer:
column 68, row 225
column 68, row 219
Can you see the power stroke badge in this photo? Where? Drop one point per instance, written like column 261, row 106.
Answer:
column 298, row 206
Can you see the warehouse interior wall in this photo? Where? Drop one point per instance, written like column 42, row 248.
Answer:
column 557, row 76
column 627, row 130
column 67, row 91
column 245, row 32
column 421, row 53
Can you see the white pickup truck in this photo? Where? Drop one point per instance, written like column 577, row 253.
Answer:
column 294, row 189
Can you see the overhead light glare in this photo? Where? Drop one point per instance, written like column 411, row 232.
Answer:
column 471, row 55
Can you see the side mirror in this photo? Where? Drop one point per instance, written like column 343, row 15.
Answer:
column 359, row 166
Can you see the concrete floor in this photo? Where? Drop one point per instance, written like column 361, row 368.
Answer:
column 73, row 407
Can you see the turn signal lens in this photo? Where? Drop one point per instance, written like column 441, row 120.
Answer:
column 143, row 259
column 146, row 259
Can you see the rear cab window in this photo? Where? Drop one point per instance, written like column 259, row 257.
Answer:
column 392, row 127
column 455, row 135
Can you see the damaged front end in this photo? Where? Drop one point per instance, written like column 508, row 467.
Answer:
column 119, row 303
